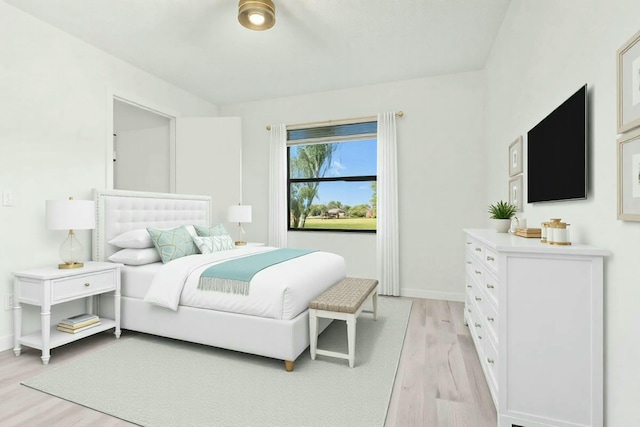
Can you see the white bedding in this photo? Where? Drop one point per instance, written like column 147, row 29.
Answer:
column 281, row 291
column 136, row 279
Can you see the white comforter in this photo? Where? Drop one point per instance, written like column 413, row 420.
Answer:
column 281, row 291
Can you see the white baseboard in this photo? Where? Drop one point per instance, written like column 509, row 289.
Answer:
column 6, row 342
column 441, row 296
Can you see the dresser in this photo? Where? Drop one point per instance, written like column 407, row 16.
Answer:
column 535, row 312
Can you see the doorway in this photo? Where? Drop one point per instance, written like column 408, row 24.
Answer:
column 142, row 148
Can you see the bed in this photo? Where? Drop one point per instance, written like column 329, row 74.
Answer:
column 260, row 331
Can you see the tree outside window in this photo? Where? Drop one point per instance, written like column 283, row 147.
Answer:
column 332, row 186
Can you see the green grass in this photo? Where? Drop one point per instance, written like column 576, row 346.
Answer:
column 341, row 223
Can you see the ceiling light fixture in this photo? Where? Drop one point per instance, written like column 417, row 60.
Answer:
column 258, row 15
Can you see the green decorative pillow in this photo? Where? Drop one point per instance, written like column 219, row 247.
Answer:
column 172, row 243
column 216, row 230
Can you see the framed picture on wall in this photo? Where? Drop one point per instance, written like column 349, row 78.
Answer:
column 629, row 84
column 629, row 176
column 515, row 192
column 515, row 157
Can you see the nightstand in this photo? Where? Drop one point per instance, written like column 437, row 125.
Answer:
column 46, row 287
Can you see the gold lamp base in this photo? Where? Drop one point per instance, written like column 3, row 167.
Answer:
column 71, row 265
column 240, row 243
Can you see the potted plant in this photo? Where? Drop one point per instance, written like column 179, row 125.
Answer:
column 501, row 214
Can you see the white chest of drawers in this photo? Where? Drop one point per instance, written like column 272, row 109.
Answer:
column 535, row 315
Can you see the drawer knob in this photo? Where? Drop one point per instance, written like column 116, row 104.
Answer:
column 478, row 299
column 479, row 337
column 468, row 262
column 469, row 310
column 468, row 243
column 478, row 325
column 478, row 272
column 490, row 286
column 490, row 360
column 478, row 250
column 490, row 319
column 469, row 286
column 87, row 284
column 490, row 258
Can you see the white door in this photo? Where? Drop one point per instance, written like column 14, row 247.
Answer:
column 208, row 160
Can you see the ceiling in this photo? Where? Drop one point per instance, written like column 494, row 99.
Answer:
column 316, row 45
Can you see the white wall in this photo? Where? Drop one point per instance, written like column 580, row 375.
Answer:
column 54, row 133
column 208, row 161
column 545, row 51
column 441, row 173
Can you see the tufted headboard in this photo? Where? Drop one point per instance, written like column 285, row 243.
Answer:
column 119, row 211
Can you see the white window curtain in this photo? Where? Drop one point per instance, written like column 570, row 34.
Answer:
column 278, row 215
column 388, row 258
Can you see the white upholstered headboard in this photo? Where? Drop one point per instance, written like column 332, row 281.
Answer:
column 119, row 211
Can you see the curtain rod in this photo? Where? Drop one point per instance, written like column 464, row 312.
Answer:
column 335, row 122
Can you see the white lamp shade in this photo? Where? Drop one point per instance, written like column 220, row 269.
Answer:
column 239, row 213
column 70, row 214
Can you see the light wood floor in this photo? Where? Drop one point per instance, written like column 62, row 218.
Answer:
column 439, row 381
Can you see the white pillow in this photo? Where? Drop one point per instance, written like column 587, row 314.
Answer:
column 134, row 239
column 140, row 238
column 136, row 256
column 209, row 244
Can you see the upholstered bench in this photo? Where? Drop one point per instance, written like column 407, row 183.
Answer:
column 343, row 301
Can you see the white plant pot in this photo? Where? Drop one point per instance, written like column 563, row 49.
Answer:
column 500, row 225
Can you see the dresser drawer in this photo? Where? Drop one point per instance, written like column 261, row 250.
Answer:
column 89, row 284
column 478, row 300
column 469, row 262
column 490, row 259
column 469, row 285
column 476, row 271
column 490, row 319
column 477, row 331
column 478, row 249
column 489, row 286
column 468, row 243
column 490, row 361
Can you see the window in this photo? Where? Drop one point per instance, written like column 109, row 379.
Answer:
column 332, row 178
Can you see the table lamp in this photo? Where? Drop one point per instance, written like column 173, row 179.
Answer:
column 70, row 215
column 239, row 214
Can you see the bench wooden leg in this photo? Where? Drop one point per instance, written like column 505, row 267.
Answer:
column 374, row 300
column 351, row 337
column 288, row 365
column 313, row 333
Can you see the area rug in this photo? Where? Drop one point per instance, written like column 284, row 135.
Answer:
column 153, row 381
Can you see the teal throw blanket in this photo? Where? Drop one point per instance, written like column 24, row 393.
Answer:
column 233, row 276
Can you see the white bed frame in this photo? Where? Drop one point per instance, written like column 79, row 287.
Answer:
column 119, row 211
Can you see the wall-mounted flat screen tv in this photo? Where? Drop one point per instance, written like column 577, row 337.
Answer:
column 557, row 153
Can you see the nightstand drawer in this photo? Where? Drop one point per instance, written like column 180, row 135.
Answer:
column 89, row 284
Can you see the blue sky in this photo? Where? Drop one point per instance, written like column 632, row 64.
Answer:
column 351, row 158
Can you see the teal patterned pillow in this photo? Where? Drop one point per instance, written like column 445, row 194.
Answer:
column 172, row 243
column 209, row 244
column 216, row 230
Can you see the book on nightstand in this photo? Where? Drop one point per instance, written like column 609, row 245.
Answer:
column 76, row 330
column 78, row 323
